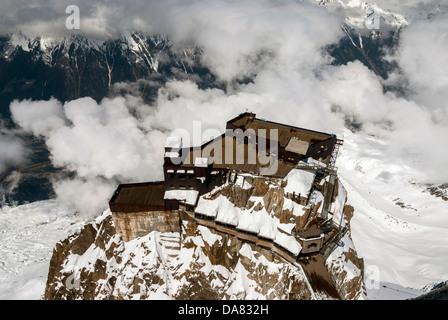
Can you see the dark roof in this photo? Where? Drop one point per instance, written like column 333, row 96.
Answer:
column 218, row 156
column 137, row 197
column 225, row 143
column 247, row 121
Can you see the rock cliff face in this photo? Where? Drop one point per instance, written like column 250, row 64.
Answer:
column 195, row 263
column 98, row 264
column 346, row 268
column 138, row 224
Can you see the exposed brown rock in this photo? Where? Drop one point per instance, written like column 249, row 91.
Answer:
column 137, row 224
column 84, row 286
column 106, row 270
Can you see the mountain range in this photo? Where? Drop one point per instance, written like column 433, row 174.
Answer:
column 398, row 222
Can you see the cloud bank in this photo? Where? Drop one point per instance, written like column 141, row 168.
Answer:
column 279, row 46
column 424, row 63
column 102, row 143
column 103, row 19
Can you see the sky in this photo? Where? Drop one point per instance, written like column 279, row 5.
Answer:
column 278, row 44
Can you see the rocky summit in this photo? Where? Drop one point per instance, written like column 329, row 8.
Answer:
column 199, row 262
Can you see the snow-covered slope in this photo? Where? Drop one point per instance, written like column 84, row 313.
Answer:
column 398, row 227
column 135, row 47
column 97, row 264
column 27, row 237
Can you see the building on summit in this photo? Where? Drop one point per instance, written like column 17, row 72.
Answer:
column 250, row 147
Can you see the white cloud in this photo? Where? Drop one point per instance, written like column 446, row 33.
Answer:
column 10, row 183
column 279, row 45
column 422, row 56
column 101, row 143
column 89, row 196
column 413, row 139
column 240, row 39
column 13, row 152
column 111, row 18
column 237, row 38
column 38, row 117
column 105, row 140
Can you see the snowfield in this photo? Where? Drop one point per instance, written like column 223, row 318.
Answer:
column 28, row 234
column 398, row 228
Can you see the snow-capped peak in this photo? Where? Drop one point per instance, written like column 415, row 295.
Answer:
column 368, row 15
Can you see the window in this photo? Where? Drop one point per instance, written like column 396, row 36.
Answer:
column 182, row 188
column 170, row 174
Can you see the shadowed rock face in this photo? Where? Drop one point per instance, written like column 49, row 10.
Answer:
column 74, row 67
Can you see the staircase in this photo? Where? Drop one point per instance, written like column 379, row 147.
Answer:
column 334, row 154
column 328, row 196
column 333, row 243
column 315, row 186
column 168, row 251
column 317, row 179
column 170, row 246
